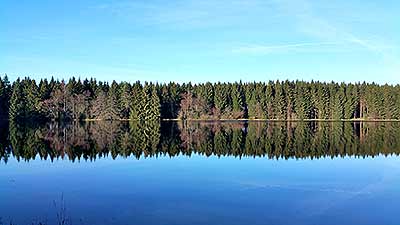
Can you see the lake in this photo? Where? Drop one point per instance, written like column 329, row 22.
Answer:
column 274, row 173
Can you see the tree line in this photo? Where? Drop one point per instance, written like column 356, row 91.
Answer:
column 278, row 140
column 76, row 99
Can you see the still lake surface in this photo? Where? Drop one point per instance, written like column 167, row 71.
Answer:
column 307, row 173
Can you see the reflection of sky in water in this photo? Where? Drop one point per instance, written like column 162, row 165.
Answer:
column 201, row 190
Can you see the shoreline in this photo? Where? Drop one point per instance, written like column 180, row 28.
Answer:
column 235, row 120
column 256, row 120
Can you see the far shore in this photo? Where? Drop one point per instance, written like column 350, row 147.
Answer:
column 247, row 120
column 262, row 120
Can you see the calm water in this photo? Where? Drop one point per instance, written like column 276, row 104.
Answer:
column 201, row 173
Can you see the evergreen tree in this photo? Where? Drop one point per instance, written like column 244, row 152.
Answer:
column 322, row 103
column 17, row 102
column 138, row 101
column 112, row 109
column 351, row 102
column 280, row 102
column 389, row 103
column 30, row 92
column 222, row 99
column 237, row 100
column 290, row 100
column 303, row 101
column 154, row 100
column 269, row 100
column 4, row 97
column 337, row 103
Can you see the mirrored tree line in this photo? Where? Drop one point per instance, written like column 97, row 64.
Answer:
column 29, row 100
column 275, row 140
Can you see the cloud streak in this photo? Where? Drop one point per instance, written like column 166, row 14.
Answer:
column 284, row 48
column 307, row 21
column 189, row 14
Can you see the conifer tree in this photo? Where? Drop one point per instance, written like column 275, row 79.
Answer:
column 30, row 92
column 138, row 99
column 303, row 101
column 269, row 100
column 323, row 103
column 280, row 102
column 290, row 100
column 155, row 105
column 112, row 110
column 237, row 100
column 4, row 97
column 351, row 102
column 389, row 103
column 17, row 102
column 337, row 104
column 221, row 98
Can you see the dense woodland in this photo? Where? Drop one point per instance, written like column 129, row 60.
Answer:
column 277, row 140
column 75, row 99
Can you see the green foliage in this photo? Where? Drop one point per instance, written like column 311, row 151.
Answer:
column 17, row 102
column 222, row 98
column 238, row 101
column 303, row 102
column 280, row 102
column 288, row 100
column 337, row 92
column 5, row 94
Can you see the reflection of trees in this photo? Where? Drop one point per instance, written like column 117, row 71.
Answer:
column 145, row 138
column 89, row 141
column 5, row 151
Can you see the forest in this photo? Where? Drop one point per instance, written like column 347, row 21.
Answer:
column 73, row 100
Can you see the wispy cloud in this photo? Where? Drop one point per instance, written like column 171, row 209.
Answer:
column 284, row 48
column 307, row 21
column 189, row 14
column 333, row 31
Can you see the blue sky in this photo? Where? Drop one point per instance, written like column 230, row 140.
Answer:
column 208, row 40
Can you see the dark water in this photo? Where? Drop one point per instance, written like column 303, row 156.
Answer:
column 200, row 173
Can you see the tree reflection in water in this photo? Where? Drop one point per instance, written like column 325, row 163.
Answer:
column 275, row 140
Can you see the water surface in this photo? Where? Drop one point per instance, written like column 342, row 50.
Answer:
column 200, row 173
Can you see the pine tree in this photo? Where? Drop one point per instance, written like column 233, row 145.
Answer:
column 290, row 100
column 396, row 111
column 351, row 102
column 389, row 102
column 269, row 100
column 251, row 101
column 17, row 102
column 221, row 98
column 4, row 97
column 30, row 92
column 302, row 101
column 154, row 104
column 44, row 90
column 138, row 100
column 165, row 101
column 151, row 109
column 337, row 104
column 280, row 102
column 237, row 101
column 323, row 102
column 112, row 110
column 260, row 98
